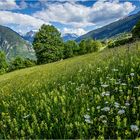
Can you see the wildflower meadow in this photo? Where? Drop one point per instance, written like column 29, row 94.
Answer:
column 94, row 96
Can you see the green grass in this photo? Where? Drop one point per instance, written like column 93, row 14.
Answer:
column 91, row 96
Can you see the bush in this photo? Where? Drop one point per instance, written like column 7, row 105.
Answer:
column 89, row 45
column 71, row 49
column 117, row 43
column 3, row 63
column 20, row 63
column 136, row 31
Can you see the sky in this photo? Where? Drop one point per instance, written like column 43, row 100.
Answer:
column 68, row 16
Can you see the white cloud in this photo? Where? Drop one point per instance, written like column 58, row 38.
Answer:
column 106, row 11
column 78, row 15
column 8, row 5
column 78, row 31
column 18, row 19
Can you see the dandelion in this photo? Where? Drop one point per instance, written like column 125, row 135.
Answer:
column 120, row 112
column 106, row 109
column 132, row 74
column 134, row 128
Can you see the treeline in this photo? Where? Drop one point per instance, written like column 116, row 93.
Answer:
column 135, row 36
column 17, row 63
column 49, row 46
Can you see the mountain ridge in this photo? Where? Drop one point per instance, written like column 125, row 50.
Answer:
column 14, row 45
column 122, row 25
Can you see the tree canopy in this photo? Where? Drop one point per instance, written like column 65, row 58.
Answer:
column 48, row 44
column 3, row 63
column 136, row 31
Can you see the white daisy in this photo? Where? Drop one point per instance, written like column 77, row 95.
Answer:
column 134, row 128
column 120, row 112
column 106, row 109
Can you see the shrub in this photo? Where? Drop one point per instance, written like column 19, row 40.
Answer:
column 3, row 63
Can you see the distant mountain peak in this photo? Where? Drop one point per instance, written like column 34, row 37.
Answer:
column 69, row 36
column 29, row 36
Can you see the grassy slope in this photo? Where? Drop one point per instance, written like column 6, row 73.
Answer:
column 30, row 76
column 51, row 93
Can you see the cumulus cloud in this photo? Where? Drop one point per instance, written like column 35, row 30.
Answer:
column 77, row 31
column 81, row 16
column 104, row 11
column 8, row 17
column 8, row 5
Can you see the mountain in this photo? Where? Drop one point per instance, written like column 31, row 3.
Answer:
column 14, row 45
column 123, row 25
column 69, row 36
column 29, row 36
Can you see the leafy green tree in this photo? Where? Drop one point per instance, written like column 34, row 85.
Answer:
column 29, row 63
column 3, row 63
column 82, row 47
column 136, row 31
column 17, row 63
column 89, row 45
column 68, row 51
column 48, row 44
column 96, row 45
column 20, row 63
column 71, row 49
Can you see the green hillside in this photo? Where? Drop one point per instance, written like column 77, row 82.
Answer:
column 112, row 29
column 14, row 45
column 91, row 96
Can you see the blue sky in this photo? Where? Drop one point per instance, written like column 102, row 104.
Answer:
column 69, row 16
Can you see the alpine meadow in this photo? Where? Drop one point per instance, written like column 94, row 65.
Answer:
column 69, row 69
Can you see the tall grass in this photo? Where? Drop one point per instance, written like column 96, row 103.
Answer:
column 92, row 96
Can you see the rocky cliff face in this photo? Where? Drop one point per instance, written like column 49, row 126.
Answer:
column 14, row 45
